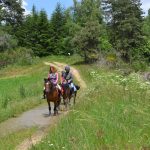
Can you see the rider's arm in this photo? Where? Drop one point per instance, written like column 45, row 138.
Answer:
column 70, row 79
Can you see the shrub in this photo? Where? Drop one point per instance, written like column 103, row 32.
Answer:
column 7, row 42
column 23, row 56
column 111, row 60
column 20, row 56
column 139, row 66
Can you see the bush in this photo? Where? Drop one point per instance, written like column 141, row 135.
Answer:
column 20, row 56
column 24, row 56
column 7, row 42
column 139, row 66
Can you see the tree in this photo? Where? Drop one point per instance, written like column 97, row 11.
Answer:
column 43, row 37
column 86, row 9
column 125, row 21
column 7, row 42
column 34, row 33
column 88, row 37
column 57, row 30
column 146, row 30
column 87, row 41
column 11, row 12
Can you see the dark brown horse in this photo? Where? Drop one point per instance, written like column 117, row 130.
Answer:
column 68, row 94
column 52, row 95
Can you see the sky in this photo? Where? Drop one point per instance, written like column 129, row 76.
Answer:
column 50, row 5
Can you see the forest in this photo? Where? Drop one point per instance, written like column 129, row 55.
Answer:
column 108, row 31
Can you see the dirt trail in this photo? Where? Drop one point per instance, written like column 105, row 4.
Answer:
column 36, row 117
column 74, row 72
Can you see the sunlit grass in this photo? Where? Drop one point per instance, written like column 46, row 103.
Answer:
column 112, row 113
column 10, row 141
column 21, row 86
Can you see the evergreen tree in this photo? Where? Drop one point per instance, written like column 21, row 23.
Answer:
column 34, row 33
column 88, row 15
column 146, row 27
column 27, row 32
column 146, row 30
column 125, row 21
column 11, row 12
column 86, row 9
column 88, row 42
column 43, row 35
column 57, row 30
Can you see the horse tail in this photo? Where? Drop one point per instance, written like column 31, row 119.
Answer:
column 77, row 87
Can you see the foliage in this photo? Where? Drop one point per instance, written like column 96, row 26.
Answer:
column 125, row 21
column 87, row 40
column 139, row 66
column 115, row 114
column 85, row 29
column 21, row 56
column 7, row 42
column 58, row 31
column 11, row 12
column 38, row 39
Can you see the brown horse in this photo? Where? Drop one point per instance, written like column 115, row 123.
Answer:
column 68, row 94
column 52, row 95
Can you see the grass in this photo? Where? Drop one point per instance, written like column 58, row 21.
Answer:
column 10, row 141
column 20, row 93
column 21, row 86
column 112, row 113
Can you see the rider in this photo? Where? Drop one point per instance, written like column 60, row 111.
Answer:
column 53, row 77
column 67, row 77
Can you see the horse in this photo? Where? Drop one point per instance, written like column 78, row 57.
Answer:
column 52, row 95
column 68, row 93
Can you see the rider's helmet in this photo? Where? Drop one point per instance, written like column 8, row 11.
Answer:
column 67, row 69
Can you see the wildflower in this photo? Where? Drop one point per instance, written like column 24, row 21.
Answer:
column 51, row 144
column 148, row 83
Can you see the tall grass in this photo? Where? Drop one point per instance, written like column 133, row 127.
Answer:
column 20, row 93
column 21, row 86
column 112, row 113
column 14, row 139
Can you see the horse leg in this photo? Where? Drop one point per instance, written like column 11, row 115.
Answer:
column 55, row 108
column 49, row 107
column 74, row 100
column 58, row 104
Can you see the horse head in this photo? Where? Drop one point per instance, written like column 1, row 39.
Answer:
column 48, row 85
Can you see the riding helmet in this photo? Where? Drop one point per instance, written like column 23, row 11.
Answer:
column 67, row 68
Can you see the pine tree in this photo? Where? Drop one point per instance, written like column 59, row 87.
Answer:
column 43, row 35
column 34, row 33
column 88, row 42
column 125, row 21
column 87, row 14
column 57, row 30
column 11, row 12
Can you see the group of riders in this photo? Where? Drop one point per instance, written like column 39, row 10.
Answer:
column 66, row 79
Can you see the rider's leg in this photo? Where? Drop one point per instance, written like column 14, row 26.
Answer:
column 59, row 89
column 73, row 86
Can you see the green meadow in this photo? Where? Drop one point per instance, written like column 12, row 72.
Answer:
column 112, row 113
